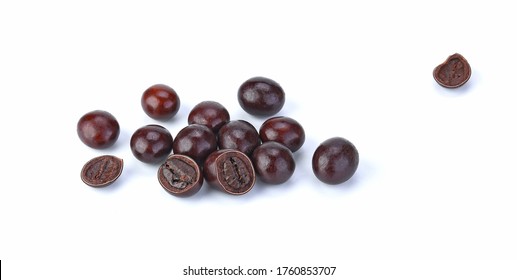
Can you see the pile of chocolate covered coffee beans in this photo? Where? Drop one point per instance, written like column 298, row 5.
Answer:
column 227, row 154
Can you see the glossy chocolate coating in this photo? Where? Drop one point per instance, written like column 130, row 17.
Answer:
column 273, row 162
column 335, row 161
column 196, row 141
column 209, row 113
column 151, row 143
column 98, row 129
column 261, row 96
column 283, row 130
column 160, row 102
column 239, row 135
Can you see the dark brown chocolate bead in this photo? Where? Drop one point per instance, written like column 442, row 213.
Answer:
column 160, row 102
column 196, row 141
column 180, row 176
column 209, row 113
column 239, row 135
column 335, row 161
column 274, row 163
column 102, row 171
column 98, row 129
column 151, row 143
column 230, row 171
column 453, row 73
column 283, row 130
column 261, row 96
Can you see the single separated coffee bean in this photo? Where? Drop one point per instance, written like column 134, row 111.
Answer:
column 102, row 171
column 453, row 73
column 260, row 96
column 335, row 161
column 160, row 102
column 98, row 129
column 230, row 171
column 180, row 176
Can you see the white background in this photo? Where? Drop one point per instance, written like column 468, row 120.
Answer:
column 436, row 180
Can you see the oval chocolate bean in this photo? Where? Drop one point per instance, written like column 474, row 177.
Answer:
column 335, row 161
column 102, row 171
column 453, row 73
column 180, row 175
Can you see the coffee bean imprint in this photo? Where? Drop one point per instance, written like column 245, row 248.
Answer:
column 235, row 173
column 101, row 171
column 179, row 174
column 454, row 72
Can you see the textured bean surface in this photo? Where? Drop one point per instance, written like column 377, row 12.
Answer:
column 180, row 175
column 230, row 171
column 101, row 171
column 235, row 173
column 454, row 72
